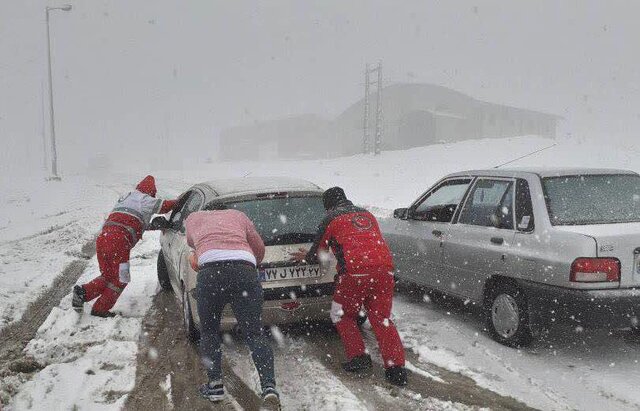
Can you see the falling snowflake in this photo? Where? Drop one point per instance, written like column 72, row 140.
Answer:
column 277, row 336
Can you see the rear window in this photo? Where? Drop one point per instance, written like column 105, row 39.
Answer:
column 289, row 220
column 592, row 199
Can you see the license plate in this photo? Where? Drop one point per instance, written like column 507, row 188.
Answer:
column 289, row 273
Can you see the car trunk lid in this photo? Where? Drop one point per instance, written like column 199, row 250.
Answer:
column 621, row 241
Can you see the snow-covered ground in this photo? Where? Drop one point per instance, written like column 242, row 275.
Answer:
column 90, row 363
column 585, row 370
column 43, row 227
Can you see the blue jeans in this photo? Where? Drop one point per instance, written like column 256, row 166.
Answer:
column 236, row 284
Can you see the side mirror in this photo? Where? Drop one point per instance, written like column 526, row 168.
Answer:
column 401, row 213
column 159, row 223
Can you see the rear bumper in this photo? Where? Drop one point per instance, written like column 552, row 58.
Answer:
column 613, row 308
column 273, row 313
column 314, row 299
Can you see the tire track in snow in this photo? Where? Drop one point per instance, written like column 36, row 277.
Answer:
column 456, row 387
column 15, row 337
column 164, row 350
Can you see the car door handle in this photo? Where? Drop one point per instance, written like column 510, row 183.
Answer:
column 437, row 233
column 497, row 240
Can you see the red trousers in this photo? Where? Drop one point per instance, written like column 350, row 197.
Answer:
column 374, row 291
column 112, row 250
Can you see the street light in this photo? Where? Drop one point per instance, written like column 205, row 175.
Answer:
column 54, row 156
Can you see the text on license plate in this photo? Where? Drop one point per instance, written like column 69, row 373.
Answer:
column 289, row 273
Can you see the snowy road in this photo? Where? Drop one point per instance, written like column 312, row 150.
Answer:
column 308, row 371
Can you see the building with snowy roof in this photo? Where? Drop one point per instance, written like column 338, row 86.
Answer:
column 415, row 115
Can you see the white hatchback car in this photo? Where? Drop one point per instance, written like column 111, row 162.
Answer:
column 286, row 213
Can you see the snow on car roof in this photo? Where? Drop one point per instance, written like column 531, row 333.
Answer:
column 232, row 186
column 541, row 171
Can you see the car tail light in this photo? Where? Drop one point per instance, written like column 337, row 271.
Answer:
column 595, row 270
column 291, row 306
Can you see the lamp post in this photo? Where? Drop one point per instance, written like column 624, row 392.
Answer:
column 54, row 155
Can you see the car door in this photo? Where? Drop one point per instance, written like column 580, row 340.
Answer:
column 477, row 245
column 169, row 234
column 177, row 243
column 418, row 237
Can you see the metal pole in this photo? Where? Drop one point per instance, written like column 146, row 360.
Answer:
column 45, row 159
column 54, row 154
column 365, row 138
column 378, row 141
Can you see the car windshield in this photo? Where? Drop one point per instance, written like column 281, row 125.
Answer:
column 593, row 199
column 289, row 220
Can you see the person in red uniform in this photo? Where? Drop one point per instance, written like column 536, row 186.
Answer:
column 365, row 278
column 120, row 233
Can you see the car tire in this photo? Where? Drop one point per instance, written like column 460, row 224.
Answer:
column 163, row 273
column 192, row 332
column 508, row 315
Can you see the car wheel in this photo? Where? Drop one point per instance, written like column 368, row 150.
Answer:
column 193, row 334
column 508, row 315
column 163, row 273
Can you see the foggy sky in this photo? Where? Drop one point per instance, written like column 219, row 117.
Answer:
column 128, row 75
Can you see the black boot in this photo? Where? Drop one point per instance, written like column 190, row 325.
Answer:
column 357, row 364
column 270, row 399
column 396, row 376
column 103, row 314
column 79, row 298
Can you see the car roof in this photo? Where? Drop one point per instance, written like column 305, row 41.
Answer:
column 541, row 172
column 251, row 185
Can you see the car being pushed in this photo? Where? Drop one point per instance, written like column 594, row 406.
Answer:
column 286, row 213
column 531, row 246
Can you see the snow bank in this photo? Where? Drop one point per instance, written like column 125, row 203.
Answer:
column 391, row 180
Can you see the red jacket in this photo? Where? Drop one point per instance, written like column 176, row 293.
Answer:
column 354, row 237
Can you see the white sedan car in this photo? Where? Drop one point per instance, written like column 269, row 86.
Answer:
column 531, row 246
column 286, row 213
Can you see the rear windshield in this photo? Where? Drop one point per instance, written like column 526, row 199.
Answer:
column 290, row 220
column 592, row 199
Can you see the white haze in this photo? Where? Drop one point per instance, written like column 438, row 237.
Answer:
column 136, row 81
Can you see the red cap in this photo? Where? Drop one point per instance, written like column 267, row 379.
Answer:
column 147, row 186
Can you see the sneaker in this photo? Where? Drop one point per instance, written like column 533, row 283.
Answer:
column 213, row 391
column 357, row 364
column 103, row 314
column 396, row 376
column 79, row 298
column 270, row 400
